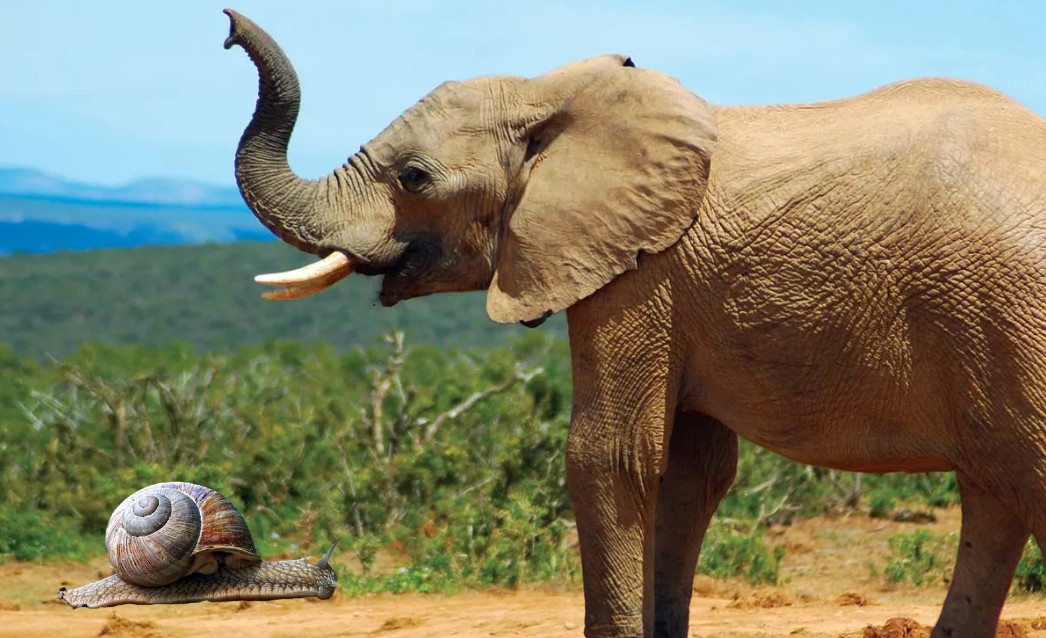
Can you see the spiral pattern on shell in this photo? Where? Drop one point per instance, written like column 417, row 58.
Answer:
column 166, row 531
column 151, row 536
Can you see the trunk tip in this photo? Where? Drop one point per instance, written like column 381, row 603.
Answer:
column 235, row 25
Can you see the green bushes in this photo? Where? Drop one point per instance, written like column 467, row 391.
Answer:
column 919, row 557
column 30, row 535
column 453, row 459
column 924, row 557
column 1031, row 573
column 436, row 469
column 731, row 553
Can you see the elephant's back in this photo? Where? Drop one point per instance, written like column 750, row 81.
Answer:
column 932, row 128
column 910, row 167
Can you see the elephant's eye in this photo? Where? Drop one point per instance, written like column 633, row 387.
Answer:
column 413, row 179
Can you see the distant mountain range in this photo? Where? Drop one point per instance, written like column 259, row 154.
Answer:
column 156, row 190
column 40, row 212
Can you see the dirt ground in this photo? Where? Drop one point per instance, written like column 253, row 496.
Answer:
column 829, row 588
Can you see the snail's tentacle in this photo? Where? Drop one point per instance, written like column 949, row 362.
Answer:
column 326, row 560
column 261, row 581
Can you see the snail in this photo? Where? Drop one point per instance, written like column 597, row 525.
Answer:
column 173, row 543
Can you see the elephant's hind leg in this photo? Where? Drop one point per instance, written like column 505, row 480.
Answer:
column 990, row 545
column 702, row 461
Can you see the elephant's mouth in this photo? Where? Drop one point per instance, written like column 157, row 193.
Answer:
column 405, row 279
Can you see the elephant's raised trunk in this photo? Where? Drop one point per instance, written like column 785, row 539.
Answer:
column 291, row 207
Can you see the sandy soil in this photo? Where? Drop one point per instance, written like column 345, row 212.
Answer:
column 829, row 589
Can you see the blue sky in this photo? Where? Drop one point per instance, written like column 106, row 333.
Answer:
column 108, row 91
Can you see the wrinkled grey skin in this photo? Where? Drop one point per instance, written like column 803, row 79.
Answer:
column 858, row 284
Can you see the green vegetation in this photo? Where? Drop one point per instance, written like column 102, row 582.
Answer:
column 1031, row 572
column 729, row 553
column 454, row 460
column 205, row 296
column 919, row 557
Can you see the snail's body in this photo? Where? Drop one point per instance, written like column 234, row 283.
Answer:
column 259, row 581
column 173, row 543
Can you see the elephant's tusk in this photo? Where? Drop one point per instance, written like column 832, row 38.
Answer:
column 294, row 292
column 307, row 280
column 334, row 264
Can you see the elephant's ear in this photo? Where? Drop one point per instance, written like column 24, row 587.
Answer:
column 616, row 166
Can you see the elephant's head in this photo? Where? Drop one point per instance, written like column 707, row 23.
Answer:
column 539, row 190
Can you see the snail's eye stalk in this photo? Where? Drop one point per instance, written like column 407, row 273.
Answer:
column 326, row 560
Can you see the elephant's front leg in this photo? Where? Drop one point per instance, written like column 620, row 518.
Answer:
column 616, row 454
column 612, row 471
column 627, row 365
column 702, row 462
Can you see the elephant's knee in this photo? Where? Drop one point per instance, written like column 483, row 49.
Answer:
column 597, row 462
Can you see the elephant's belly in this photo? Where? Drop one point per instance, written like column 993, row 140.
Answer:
column 842, row 431
column 860, row 453
column 846, row 446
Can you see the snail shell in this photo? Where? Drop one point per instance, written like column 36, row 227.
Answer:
column 166, row 531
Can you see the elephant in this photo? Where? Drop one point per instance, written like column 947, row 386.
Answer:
column 856, row 284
